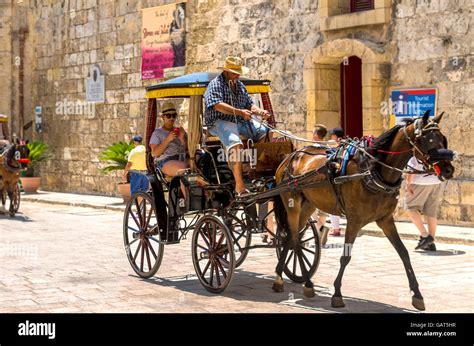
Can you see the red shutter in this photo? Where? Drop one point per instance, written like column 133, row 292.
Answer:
column 362, row 5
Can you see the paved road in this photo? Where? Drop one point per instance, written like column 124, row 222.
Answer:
column 65, row 259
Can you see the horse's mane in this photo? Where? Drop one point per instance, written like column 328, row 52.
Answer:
column 385, row 140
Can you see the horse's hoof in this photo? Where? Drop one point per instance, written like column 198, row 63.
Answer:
column 278, row 284
column 278, row 287
column 309, row 292
column 337, row 302
column 418, row 303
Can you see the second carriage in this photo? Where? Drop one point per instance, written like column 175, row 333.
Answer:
column 221, row 226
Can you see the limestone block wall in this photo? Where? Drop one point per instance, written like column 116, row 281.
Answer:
column 5, row 56
column 434, row 47
column 272, row 36
column 426, row 43
column 69, row 38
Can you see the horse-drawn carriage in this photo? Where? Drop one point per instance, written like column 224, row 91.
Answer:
column 222, row 225
column 13, row 159
column 361, row 180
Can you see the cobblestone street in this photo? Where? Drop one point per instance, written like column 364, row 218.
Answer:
column 71, row 259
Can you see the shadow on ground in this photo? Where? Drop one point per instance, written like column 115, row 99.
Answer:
column 256, row 287
column 18, row 217
column 447, row 252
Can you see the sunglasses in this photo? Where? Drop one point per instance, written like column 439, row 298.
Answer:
column 171, row 115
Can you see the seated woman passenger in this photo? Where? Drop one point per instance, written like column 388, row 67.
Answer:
column 169, row 143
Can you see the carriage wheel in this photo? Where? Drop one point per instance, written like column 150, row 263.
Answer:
column 213, row 253
column 310, row 249
column 16, row 198
column 241, row 235
column 141, row 235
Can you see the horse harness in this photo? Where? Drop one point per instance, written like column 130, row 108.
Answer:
column 336, row 164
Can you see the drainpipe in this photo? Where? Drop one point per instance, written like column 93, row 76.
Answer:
column 21, row 108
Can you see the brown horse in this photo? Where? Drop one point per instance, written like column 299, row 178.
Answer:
column 13, row 160
column 373, row 198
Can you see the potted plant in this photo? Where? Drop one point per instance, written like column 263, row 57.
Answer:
column 38, row 153
column 116, row 155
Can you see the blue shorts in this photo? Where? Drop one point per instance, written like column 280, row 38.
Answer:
column 138, row 182
column 229, row 132
column 161, row 163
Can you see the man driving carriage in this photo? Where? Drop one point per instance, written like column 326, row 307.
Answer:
column 228, row 113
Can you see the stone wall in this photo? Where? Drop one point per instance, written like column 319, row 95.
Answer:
column 5, row 56
column 426, row 43
column 69, row 38
column 434, row 43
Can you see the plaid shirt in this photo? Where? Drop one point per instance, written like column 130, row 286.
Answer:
column 218, row 91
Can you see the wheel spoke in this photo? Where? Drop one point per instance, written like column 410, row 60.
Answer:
column 139, row 213
column 144, row 217
column 305, row 258
column 145, row 248
column 136, row 252
column 206, row 267
column 151, row 248
column 307, row 240
column 150, row 237
column 133, row 241
column 208, row 234
column 294, row 262
column 226, row 262
column 222, row 270
column 134, row 217
column 202, row 234
column 218, row 277
column 305, row 249
column 133, row 229
column 149, row 217
column 289, row 258
column 142, row 257
column 220, row 240
column 202, row 247
column 212, row 272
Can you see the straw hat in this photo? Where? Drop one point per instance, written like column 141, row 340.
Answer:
column 235, row 65
column 168, row 107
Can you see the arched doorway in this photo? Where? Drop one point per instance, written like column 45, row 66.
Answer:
column 322, row 79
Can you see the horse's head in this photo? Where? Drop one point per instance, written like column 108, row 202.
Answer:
column 431, row 146
column 22, row 152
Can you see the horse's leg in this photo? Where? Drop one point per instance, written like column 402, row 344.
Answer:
column 10, row 192
column 282, row 223
column 292, row 206
column 4, row 198
column 351, row 234
column 387, row 224
column 278, row 283
column 306, row 210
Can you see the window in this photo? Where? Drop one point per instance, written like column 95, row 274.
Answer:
column 362, row 5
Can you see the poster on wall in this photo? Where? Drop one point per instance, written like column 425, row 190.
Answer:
column 163, row 41
column 408, row 103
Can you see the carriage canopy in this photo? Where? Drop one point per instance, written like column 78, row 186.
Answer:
column 193, row 86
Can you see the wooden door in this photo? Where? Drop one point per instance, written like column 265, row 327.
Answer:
column 351, row 96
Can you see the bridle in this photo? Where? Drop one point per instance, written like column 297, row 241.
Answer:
column 430, row 156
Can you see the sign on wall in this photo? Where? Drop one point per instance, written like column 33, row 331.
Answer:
column 95, row 85
column 407, row 103
column 163, row 41
column 39, row 119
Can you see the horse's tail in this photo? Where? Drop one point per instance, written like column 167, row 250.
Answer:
column 281, row 216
